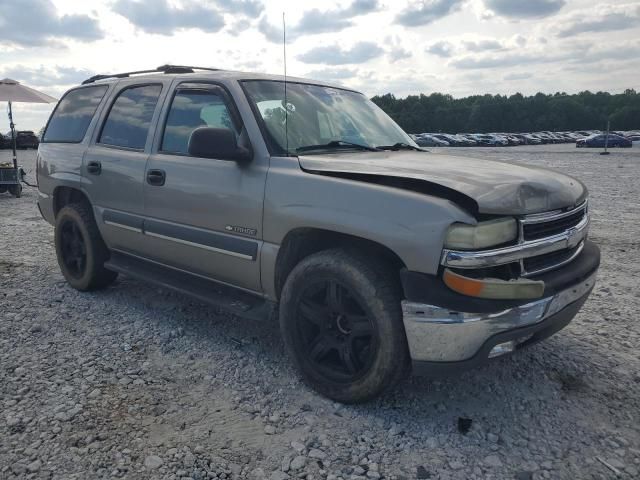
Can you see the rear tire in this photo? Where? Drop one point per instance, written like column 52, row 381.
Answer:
column 80, row 249
column 341, row 320
column 16, row 190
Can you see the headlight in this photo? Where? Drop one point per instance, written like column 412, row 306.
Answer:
column 485, row 234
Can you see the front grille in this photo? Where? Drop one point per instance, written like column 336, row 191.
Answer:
column 561, row 234
column 535, row 231
column 549, row 261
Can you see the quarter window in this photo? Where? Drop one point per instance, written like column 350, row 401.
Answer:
column 71, row 118
column 127, row 124
column 192, row 109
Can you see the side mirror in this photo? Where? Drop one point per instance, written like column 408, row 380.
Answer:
column 217, row 143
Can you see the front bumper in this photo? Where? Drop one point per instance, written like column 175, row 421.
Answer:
column 466, row 331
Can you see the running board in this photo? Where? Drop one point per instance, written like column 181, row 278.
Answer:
column 227, row 298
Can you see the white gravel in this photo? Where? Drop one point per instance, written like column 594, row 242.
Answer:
column 136, row 382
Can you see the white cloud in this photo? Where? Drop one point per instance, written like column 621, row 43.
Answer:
column 460, row 47
column 31, row 23
column 360, row 52
column 160, row 17
column 518, row 76
column 525, row 9
column 41, row 76
column 601, row 18
column 420, row 13
column 316, row 21
column 442, row 49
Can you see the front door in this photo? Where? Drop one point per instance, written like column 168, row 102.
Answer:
column 206, row 215
column 114, row 165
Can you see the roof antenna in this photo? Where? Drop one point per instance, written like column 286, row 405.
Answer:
column 286, row 103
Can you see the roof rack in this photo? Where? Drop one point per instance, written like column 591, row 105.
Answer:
column 161, row 69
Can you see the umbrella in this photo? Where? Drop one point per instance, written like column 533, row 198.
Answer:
column 11, row 91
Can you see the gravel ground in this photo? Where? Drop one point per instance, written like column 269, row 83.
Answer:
column 137, row 382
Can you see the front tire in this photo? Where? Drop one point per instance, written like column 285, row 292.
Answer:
column 80, row 249
column 341, row 321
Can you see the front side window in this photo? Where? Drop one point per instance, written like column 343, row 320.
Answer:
column 192, row 109
column 128, row 122
column 71, row 118
column 318, row 115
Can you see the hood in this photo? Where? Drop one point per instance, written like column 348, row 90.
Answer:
column 495, row 187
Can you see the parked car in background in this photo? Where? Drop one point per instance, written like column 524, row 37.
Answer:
column 549, row 137
column 528, row 139
column 489, row 140
column 482, row 140
column 575, row 136
column 470, row 138
column 599, row 141
column 429, row 140
column 453, row 140
column 512, row 139
column 26, row 139
column 4, row 142
column 565, row 137
column 635, row 140
column 587, row 133
column 543, row 138
column 498, row 139
column 463, row 140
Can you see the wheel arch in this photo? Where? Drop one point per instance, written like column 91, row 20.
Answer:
column 302, row 242
column 65, row 195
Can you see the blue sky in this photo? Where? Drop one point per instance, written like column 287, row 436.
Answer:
column 460, row 47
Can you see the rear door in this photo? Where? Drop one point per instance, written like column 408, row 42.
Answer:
column 114, row 164
column 66, row 140
column 206, row 215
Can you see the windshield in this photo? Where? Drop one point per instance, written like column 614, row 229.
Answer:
column 320, row 118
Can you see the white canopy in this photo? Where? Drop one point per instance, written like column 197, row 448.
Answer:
column 13, row 91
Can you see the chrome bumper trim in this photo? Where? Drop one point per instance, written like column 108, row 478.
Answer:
column 438, row 334
column 545, row 217
column 501, row 256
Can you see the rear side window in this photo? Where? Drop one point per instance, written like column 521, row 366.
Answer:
column 192, row 109
column 72, row 116
column 129, row 119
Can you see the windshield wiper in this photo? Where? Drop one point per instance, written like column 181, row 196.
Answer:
column 333, row 144
column 400, row 146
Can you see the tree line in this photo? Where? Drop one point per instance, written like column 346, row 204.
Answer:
column 440, row 112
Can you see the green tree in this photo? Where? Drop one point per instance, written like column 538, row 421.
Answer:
column 440, row 112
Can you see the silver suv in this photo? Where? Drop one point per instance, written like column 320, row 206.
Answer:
column 250, row 192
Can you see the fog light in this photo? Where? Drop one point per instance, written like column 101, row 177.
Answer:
column 502, row 348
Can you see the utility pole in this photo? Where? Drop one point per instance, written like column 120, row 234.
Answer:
column 13, row 137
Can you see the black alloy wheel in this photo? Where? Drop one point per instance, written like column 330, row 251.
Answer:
column 74, row 249
column 80, row 250
column 335, row 330
column 341, row 321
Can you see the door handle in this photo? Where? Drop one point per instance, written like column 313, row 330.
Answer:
column 156, row 177
column 94, row 168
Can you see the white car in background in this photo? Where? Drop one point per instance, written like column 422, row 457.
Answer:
column 428, row 140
